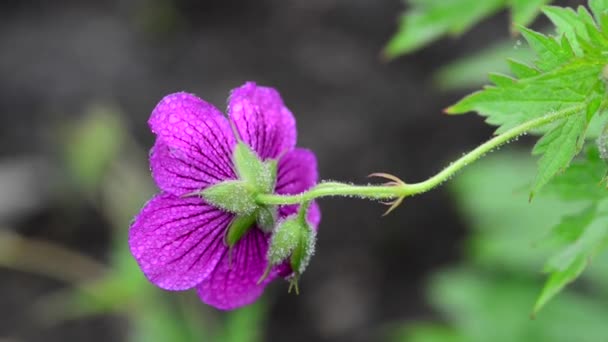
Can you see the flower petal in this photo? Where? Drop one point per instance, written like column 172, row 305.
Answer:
column 234, row 282
column 194, row 144
column 262, row 120
column 177, row 242
column 297, row 172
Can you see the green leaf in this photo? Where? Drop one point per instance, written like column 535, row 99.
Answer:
column 582, row 181
column 568, row 80
column 492, row 196
column 558, row 280
column 523, row 12
column 427, row 21
column 558, row 147
column 93, row 144
column 245, row 324
column 591, row 229
column 571, row 227
column 586, row 233
column 522, row 70
column 426, row 332
column 473, row 69
column 485, row 306
column 599, row 8
column 571, row 24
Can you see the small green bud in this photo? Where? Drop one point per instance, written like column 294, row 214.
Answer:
column 284, row 240
column 301, row 255
column 252, row 170
column 266, row 218
column 293, row 239
column 234, row 196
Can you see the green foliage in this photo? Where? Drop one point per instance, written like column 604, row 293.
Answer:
column 566, row 77
column 92, row 144
column 472, row 70
column 490, row 296
column 581, row 236
column 428, row 20
column 483, row 307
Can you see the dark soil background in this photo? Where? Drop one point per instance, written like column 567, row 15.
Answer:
column 359, row 114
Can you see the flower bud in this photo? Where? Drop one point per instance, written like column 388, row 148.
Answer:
column 292, row 240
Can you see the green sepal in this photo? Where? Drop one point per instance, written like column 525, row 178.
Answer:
column 234, row 196
column 239, row 226
column 301, row 255
column 266, row 218
column 293, row 239
column 284, row 241
column 252, row 170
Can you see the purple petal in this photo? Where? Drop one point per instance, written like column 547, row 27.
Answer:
column 234, row 283
column 194, row 144
column 178, row 242
column 262, row 120
column 296, row 173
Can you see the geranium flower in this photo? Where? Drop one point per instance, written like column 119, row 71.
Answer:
column 179, row 238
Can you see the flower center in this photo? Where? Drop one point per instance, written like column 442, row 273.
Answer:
column 239, row 196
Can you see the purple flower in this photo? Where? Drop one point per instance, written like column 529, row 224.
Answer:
column 178, row 239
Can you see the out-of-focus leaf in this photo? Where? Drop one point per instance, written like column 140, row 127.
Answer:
column 492, row 196
column 486, row 307
column 587, row 233
column 583, row 181
column 426, row 332
column 92, row 144
column 245, row 324
column 523, row 12
column 427, row 21
column 559, row 279
column 472, row 70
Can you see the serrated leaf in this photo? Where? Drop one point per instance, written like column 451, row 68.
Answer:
column 569, row 82
column 571, row 24
column 522, row 70
column 551, row 52
column 558, row 147
column 511, row 104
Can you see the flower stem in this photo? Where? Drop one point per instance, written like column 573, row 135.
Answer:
column 393, row 190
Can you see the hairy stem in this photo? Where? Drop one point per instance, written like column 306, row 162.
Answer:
column 394, row 190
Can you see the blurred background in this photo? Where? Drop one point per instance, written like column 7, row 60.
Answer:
column 78, row 80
